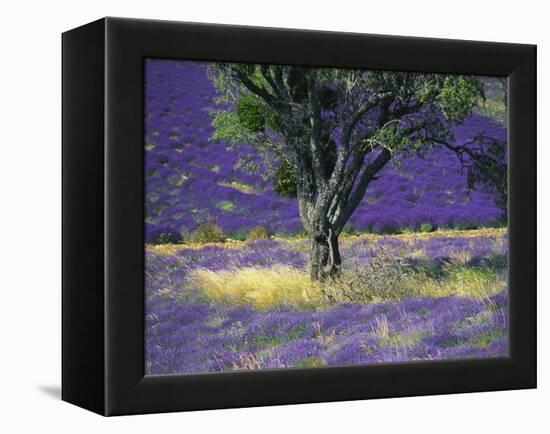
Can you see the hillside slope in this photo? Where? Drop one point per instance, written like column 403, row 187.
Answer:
column 190, row 179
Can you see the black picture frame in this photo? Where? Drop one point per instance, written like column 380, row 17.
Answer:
column 103, row 215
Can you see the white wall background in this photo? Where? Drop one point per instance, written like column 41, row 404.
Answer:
column 30, row 215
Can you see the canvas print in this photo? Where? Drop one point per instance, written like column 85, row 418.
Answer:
column 300, row 217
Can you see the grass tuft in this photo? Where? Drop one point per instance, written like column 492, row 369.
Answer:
column 311, row 362
column 484, row 339
column 386, row 337
column 240, row 186
column 260, row 287
column 206, row 233
column 257, row 233
column 225, row 205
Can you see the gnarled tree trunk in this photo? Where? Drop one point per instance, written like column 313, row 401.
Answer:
column 325, row 258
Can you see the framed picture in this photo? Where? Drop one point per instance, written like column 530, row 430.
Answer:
column 264, row 216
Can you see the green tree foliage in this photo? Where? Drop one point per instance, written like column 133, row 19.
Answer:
column 486, row 164
column 456, row 94
column 284, row 182
column 251, row 113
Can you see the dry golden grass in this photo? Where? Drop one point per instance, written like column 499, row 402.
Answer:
column 460, row 282
column 240, row 186
column 257, row 233
column 283, row 285
column 260, row 287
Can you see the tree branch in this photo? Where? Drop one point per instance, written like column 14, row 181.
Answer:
column 367, row 176
column 315, row 138
column 266, row 74
column 257, row 90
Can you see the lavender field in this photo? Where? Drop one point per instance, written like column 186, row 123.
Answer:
column 228, row 281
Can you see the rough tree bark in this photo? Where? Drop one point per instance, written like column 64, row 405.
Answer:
column 325, row 260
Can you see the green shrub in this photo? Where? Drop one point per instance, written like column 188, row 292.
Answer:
column 168, row 238
column 426, row 227
column 466, row 224
column 257, row 233
column 207, row 233
column 386, row 227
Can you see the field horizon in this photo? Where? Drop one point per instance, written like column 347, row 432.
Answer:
column 171, row 246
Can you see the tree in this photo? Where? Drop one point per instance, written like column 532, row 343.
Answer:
column 335, row 129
